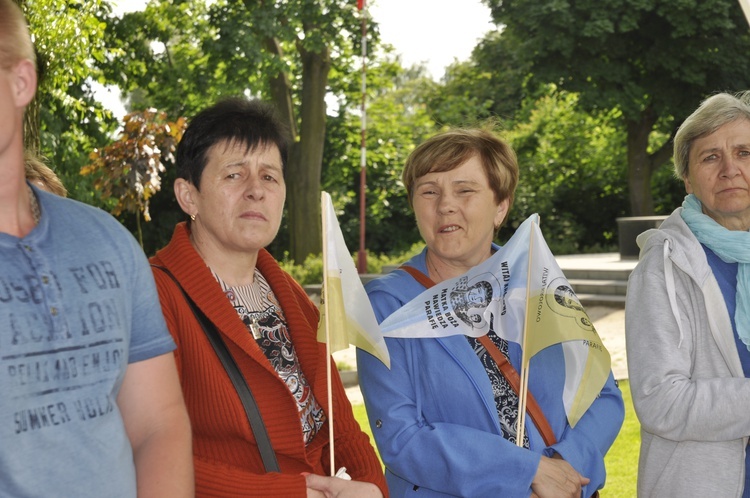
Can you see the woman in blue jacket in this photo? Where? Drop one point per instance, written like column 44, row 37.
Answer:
column 444, row 417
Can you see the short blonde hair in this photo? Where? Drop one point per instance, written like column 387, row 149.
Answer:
column 15, row 41
column 42, row 175
column 450, row 149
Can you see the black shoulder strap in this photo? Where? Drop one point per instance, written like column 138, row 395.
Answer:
column 243, row 390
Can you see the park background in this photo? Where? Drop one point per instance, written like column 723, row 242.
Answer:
column 588, row 92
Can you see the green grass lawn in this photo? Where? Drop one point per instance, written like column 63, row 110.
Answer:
column 621, row 461
column 622, row 458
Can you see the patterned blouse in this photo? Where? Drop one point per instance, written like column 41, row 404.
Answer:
column 506, row 399
column 261, row 313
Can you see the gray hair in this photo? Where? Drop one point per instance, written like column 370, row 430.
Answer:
column 712, row 114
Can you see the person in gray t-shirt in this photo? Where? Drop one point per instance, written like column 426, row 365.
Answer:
column 90, row 402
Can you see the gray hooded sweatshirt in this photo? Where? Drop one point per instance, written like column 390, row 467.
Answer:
column 689, row 391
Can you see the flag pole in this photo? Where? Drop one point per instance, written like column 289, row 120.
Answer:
column 524, row 389
column 362, row 253
column 324, row 298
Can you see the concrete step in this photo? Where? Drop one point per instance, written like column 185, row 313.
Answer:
column 596, row 274
column 592, row 286
column 609, row 300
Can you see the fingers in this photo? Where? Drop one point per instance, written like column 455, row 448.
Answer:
column 557, row 478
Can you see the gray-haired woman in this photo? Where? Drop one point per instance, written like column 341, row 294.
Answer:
column 688, row 315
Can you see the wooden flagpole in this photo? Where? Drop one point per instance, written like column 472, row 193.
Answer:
column 362, row 253
column 524, row 389
column 324, row 298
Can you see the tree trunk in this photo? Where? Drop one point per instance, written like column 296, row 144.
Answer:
column 281, row 90
column 306, row 159
column 639, row 164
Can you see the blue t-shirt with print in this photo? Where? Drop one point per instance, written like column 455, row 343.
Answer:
column 77, row 305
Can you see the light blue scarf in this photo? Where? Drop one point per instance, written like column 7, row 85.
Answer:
column 732, row 246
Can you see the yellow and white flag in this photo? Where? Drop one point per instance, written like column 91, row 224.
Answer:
column 522, row 294
column 555, row 315
column 350, row 317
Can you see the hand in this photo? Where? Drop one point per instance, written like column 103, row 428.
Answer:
column 556, row 478
column 333, row 487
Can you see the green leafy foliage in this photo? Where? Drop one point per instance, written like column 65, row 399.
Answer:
column 311, row 271
column 64, row 122
column 397, row 119
column 572, row 137
column 158, row 58
column 572, row 172
column 67, row 36
column 68, row 137
column 181, row 56
column 653, row 60
column 491, row 84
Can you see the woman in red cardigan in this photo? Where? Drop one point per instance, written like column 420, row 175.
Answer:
column 230, row 168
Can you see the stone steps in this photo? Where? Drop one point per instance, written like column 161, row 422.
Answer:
column 598, row 280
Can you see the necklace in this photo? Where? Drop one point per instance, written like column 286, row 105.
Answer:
column 35, row 210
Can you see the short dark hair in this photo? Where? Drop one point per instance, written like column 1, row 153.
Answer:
column 236, row 120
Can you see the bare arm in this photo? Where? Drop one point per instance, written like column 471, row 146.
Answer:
column 158, row 427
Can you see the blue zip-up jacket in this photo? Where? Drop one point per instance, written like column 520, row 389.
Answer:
column 434, row 419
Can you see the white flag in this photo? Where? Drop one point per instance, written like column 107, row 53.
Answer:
column 350, row 315
column 745, row 4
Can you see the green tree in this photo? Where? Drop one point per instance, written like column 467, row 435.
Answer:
column 159, row 59
column 491, row 84
column 572, row 172
column 68, row 36
column 293, row 52
column 397, row 120
column 64, row 122
column 652, row 60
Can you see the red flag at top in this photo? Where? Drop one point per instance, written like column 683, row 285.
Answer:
column 360, row 4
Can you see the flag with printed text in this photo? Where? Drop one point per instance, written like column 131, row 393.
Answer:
column 521, row 293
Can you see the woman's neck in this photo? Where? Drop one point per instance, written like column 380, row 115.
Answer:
column 440, row 270
column 233, row 268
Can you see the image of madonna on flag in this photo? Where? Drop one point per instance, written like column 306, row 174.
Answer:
column 447, row 416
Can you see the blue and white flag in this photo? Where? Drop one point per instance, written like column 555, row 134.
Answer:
column 524, row 294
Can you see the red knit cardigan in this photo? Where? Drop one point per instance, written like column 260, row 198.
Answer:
column 227, row 461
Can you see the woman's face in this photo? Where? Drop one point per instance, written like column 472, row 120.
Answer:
column 239, row 206
column 719, row 174
column 457, row 213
